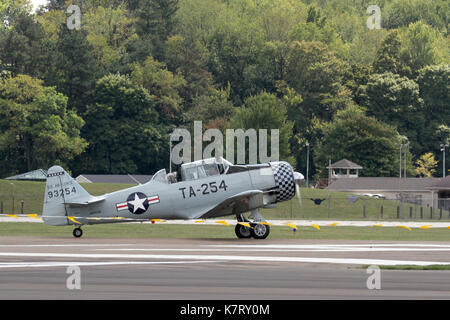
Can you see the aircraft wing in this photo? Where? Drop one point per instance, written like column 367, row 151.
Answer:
column 85, row 201
column 241, row 202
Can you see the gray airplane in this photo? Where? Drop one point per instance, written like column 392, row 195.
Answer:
column 207, row 188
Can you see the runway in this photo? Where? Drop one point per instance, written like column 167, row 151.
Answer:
column 205, row 269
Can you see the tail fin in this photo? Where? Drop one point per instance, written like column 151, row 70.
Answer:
column 60, row 189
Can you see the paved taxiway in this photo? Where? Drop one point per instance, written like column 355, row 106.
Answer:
column 36, row 268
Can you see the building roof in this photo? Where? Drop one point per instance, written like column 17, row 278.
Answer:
column 382, row 184
column 36, row 175
column 344, row 164
column 113, row 178
column 442, row 184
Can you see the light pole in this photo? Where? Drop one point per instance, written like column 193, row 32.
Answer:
column 13, row 185
column 170, row 154
column 307, row 164
column 443, row 146
column 401, row 145
column 400, row 161
column 406, row 145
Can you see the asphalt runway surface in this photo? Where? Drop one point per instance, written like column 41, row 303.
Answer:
column 218, row 269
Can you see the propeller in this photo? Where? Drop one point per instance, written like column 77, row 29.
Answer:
column 298, row 177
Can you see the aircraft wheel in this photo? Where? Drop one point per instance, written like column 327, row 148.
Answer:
column 77, row 232
column 259, row 231
column 242, row 231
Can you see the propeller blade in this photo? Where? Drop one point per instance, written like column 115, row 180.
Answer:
column 298, row 177
column 299, row 196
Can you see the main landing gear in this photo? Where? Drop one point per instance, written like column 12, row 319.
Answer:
column 257, row 229
column 77, row 232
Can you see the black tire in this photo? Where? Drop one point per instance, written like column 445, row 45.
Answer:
column 77, row 232
column 242, row 232
column 259, row 230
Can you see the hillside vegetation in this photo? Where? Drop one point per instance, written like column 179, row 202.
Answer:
column 101, row 91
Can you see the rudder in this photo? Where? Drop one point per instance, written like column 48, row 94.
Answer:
column 59, row 189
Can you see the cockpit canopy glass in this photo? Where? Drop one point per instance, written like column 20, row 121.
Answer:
column 160, row 176
column 204, row 168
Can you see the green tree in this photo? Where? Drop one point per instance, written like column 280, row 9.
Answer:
column 213, row 109
column 423, row 46
column 110, row 32
column 364, row 47
column 21, row 50
column 395, row 100
column 74, row 69
column 443, row 134
column 162, row 85
column 434, row 87
column 363, row 139
column 388, row 58
column 36, row 126
column 123, row 130
column 155, row 22
column 400, row 13
column 10, row 9
column 317, row 28
column 435, row 91
column 265, row 111
column 315, row 73
column 234, row 58
column 188, row 57
column 426, row 165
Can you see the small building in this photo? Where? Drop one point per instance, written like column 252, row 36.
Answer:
column 343, row 169
column 113, row 178
column 36, row 175
column 411, row 190
column 441, row 193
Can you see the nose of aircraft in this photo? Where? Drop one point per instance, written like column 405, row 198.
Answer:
column 287, row 180
column 284, row 180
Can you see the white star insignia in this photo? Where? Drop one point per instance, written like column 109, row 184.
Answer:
column 137, row 203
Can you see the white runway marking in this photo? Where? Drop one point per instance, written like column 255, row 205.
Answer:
column 336, row 248
column 235, row 252
column 40, row 264
column 321, row 246
column 226, row 258
column 64, row 245
column 305, row 249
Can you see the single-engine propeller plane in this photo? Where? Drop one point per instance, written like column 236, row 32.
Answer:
column 207, row 188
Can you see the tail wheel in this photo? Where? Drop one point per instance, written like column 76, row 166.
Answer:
column 77, row 232
column 259, row 231
column 242, row 231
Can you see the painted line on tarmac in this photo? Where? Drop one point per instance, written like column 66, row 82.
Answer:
column 339, row 247
column 351, row 261
column 323, row 249
column 41, row 264
column 67, row 245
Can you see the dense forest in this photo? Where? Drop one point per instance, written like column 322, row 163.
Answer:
column 103, row 96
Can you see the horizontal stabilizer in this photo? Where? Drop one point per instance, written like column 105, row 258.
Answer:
column 85, row 202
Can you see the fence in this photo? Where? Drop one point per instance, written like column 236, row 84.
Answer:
column 354, row 207
column 316, row 206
